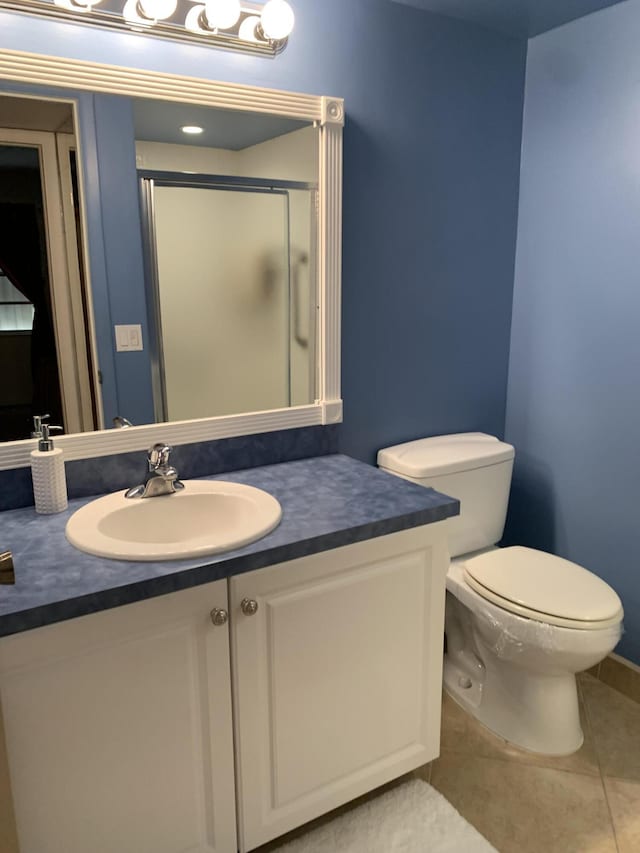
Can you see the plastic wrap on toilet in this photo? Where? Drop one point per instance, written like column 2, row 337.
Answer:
column 531, row 635
column 505, row 644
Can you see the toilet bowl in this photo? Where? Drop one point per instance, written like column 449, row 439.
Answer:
column 519, row 623
column 516, row 673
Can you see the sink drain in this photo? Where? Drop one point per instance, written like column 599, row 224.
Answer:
column 465, row 682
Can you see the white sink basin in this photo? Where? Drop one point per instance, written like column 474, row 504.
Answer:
column 205, row 518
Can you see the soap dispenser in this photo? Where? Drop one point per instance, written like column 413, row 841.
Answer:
column 47, row 471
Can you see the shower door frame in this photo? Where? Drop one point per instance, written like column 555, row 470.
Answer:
column 148, row 180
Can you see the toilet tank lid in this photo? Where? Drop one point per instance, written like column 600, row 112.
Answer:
column 444, row 454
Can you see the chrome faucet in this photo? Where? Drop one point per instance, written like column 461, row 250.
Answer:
column 162, row 478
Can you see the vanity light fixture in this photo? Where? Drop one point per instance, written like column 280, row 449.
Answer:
column 248, row 29
column 222, row 14
column 276, row 21
column 157, row 10
column 233, row 24
column 77, row 5
column 147, row 12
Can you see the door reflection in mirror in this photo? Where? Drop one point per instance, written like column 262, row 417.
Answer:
column 37, row 338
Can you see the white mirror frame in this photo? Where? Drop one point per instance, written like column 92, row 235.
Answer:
column 327, row 113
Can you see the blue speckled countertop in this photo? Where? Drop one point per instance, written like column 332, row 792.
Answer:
column 326, row 502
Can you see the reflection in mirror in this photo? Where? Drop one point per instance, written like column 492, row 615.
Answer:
column 42, row 298
column 223, row 320
column 232, row 330
column 230, row 259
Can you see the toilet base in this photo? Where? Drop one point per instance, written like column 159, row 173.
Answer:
column 538, row 713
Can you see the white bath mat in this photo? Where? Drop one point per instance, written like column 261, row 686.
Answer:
column 412, row 818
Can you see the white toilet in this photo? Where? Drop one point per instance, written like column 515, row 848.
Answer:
column 519, row 623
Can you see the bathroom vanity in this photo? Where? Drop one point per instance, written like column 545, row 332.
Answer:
column 212, row 703
column 215, row 704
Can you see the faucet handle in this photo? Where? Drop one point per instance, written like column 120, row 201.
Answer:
column 159, row 456
column 38, row 421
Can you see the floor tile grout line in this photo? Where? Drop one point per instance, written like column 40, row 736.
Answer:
column 615, row 778
column 521, row 763
column 613, row 824
column 594, row 740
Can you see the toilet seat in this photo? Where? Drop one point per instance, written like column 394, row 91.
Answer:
column 544, row 588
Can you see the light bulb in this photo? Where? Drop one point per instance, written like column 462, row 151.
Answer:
column 247, row 31
column 192, row 129
column 132, row 16
column 192, row 21
column 158, row 10
column 277, row 19
column 77, row 5
column 222, row 14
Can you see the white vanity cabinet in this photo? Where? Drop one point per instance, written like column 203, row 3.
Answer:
column 119, row 730
column 337, row 676
column 119, row 724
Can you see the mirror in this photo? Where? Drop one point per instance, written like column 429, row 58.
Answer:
column 223, row 317
column 201, row 275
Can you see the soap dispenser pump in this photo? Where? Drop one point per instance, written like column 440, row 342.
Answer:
column 47, row 471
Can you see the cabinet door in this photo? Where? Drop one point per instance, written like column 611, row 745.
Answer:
column 337, row 676
column 119, row 730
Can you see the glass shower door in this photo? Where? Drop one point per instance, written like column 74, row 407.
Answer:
column 223, row 299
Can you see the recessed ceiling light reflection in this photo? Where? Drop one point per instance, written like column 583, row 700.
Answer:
column 192, row 129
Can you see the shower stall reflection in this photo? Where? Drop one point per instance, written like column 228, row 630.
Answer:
column 230, row 268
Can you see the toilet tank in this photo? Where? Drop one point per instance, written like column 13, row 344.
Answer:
column 473, row 467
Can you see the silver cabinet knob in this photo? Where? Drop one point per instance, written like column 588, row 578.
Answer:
column 249, row 606
column 219, row 616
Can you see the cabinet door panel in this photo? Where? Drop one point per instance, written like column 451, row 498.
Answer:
column 337, row 677
column 119, row 730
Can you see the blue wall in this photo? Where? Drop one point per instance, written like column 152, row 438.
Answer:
column 432, row 153
column 125, row 296
column 574, row 399
column 432, row 147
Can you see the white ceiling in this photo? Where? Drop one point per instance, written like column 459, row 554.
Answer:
column 160, row 121
column 35, row 114
column 156, row 121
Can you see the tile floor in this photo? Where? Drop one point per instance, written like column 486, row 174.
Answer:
column 586, row 803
